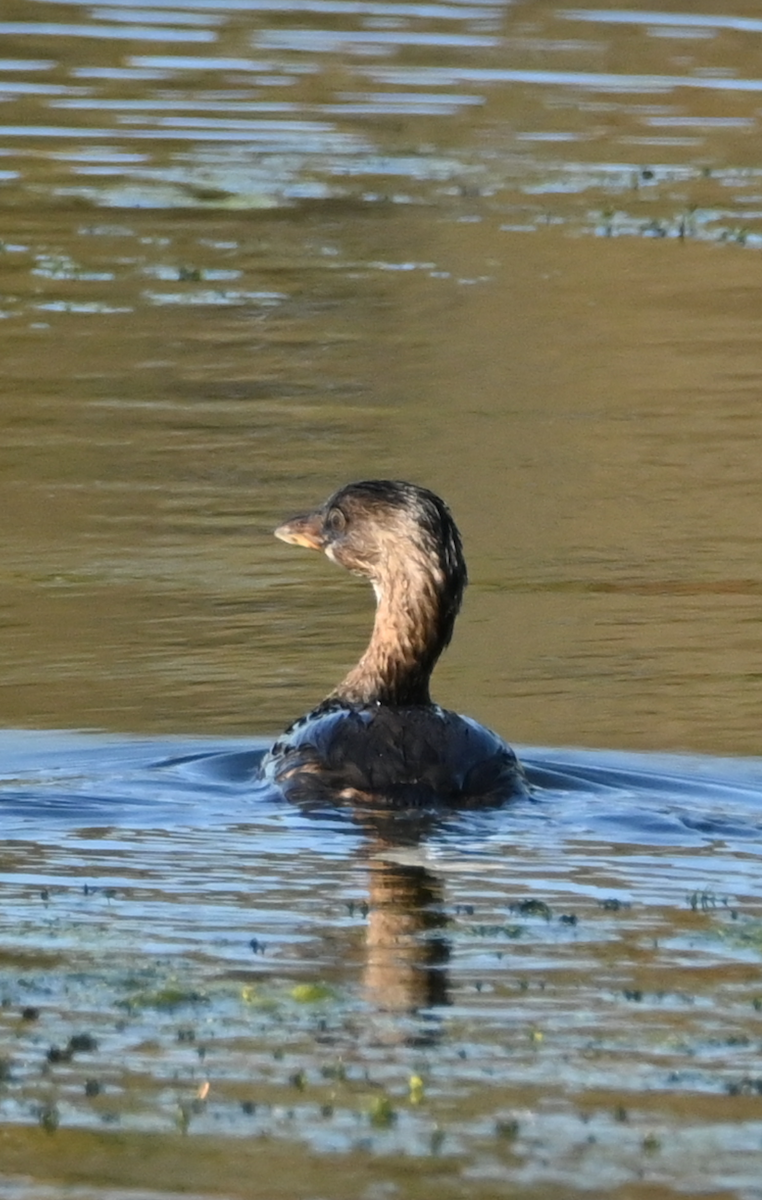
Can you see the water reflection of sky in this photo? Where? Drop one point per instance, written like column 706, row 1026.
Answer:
column 338, row 99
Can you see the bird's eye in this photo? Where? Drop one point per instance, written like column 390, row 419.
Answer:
column 336, row 521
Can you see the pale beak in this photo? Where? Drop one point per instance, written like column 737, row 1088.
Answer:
column 304, row 530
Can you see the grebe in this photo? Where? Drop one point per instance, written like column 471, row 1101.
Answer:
column 377, row 739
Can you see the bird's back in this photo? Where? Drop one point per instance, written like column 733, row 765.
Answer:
column 416, row 756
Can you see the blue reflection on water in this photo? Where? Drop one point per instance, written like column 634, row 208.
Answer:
column 80, row 779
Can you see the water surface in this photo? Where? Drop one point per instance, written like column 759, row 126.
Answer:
column 198, row 981
column 248, row 252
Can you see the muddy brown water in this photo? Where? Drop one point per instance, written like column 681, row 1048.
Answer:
column 250, row 250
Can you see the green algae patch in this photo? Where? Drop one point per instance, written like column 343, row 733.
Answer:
column 743, row 934
column 381, row 1112
column 312, row 993
column 166, row 999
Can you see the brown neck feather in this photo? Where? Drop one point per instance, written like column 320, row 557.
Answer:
column 413, row 624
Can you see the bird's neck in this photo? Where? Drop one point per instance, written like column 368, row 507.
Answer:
column 413, row 624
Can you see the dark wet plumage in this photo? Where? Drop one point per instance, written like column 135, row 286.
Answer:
column 378, row 739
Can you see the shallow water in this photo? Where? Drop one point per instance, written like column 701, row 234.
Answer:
column 563, row 992
column 249, row 251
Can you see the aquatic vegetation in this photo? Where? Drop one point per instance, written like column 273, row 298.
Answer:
column 381, row 1112
column 170, row 997
column 311, row 993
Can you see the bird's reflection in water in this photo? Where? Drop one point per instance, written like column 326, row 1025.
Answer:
column 406, row 948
